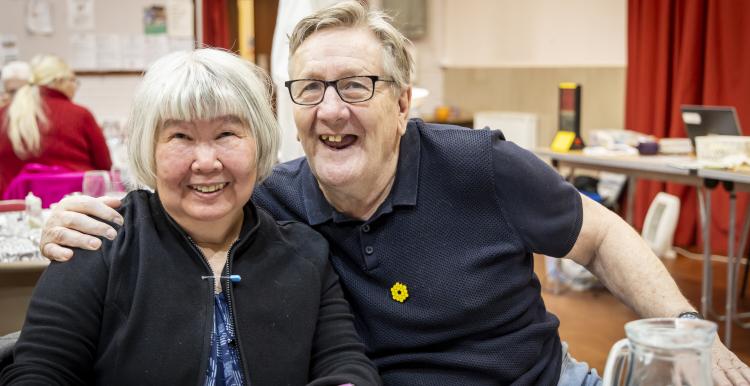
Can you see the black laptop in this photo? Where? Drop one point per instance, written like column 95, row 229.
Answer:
column 709, row 120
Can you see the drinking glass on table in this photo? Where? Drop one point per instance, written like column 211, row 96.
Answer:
column 117, row 182
column 96, row 183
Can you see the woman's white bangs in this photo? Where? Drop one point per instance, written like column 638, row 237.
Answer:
column 194, row 92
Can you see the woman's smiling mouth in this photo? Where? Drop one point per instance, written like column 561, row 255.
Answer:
column 209, row 188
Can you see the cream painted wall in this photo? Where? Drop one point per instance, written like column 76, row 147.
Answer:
column 466, row 34
column 491, row 34
column 483, row 33
column 428, row 54
column 508, row 55
column 108, row 97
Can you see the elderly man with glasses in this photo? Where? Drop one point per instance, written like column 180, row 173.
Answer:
column 432, row 228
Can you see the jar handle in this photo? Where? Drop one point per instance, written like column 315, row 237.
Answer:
column 613, row 368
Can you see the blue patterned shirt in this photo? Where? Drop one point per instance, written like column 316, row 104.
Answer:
column 224, row 367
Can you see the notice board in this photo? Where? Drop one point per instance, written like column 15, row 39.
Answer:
column 96, row 36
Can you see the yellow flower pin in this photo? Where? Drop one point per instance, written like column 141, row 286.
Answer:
column 399, row 292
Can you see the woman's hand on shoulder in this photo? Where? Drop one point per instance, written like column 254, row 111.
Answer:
column 71, row 225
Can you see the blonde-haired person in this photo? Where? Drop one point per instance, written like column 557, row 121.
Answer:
column 15, row 75
column 200, row 286
column 42, row 125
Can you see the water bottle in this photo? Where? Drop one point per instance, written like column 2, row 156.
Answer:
column 33, row 211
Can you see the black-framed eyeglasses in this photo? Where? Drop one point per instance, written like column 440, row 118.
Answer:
column 352, row 89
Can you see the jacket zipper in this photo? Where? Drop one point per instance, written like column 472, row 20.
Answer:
column 202, row 381
column 230, row 294
column 227, row 268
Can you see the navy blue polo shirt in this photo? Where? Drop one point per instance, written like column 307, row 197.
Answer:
column 441, row 279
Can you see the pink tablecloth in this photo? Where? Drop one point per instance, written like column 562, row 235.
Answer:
column 50, row 183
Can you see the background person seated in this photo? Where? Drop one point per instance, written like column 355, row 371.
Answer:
column 42, row 125
column 15, row 75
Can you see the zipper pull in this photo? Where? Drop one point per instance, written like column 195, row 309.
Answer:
column 232, row 278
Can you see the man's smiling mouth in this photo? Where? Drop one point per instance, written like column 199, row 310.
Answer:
column 338, row 141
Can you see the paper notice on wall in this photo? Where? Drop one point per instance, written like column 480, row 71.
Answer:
column 39, row 17
column 81, row 15
column 108, row 52
column 156, row 47
column 8, row 48
column 132, row 52
column 83, row 51
column 180, row 20
column 154, row 20
column 181, row 44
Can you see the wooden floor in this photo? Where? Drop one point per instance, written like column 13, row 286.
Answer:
column 593, row 320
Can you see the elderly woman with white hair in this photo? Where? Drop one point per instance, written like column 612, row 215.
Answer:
column 197, row 287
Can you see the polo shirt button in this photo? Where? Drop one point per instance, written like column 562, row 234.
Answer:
column 369, row 250
column 366, row 228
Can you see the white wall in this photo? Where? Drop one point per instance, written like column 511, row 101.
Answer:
column 108, row 97
column 514, row 33
column 460, row 33
column 428, row 53
column 481, row 33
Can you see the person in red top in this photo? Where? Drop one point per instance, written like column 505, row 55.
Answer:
column 42, row 125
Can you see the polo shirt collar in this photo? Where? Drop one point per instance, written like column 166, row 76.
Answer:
column 317, row 207
column 403, row 193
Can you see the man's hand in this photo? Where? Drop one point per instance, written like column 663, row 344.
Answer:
column 69, row 225
column 727, row 368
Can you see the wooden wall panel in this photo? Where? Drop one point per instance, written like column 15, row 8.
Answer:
column 534, row 90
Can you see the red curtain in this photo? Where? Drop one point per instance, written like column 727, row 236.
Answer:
column 687, row 52
column 216, row 24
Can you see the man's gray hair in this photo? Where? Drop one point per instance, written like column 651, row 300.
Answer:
column 200, row 85
column 397, row 60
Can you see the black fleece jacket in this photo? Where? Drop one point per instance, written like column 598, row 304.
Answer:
column 137, row 312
